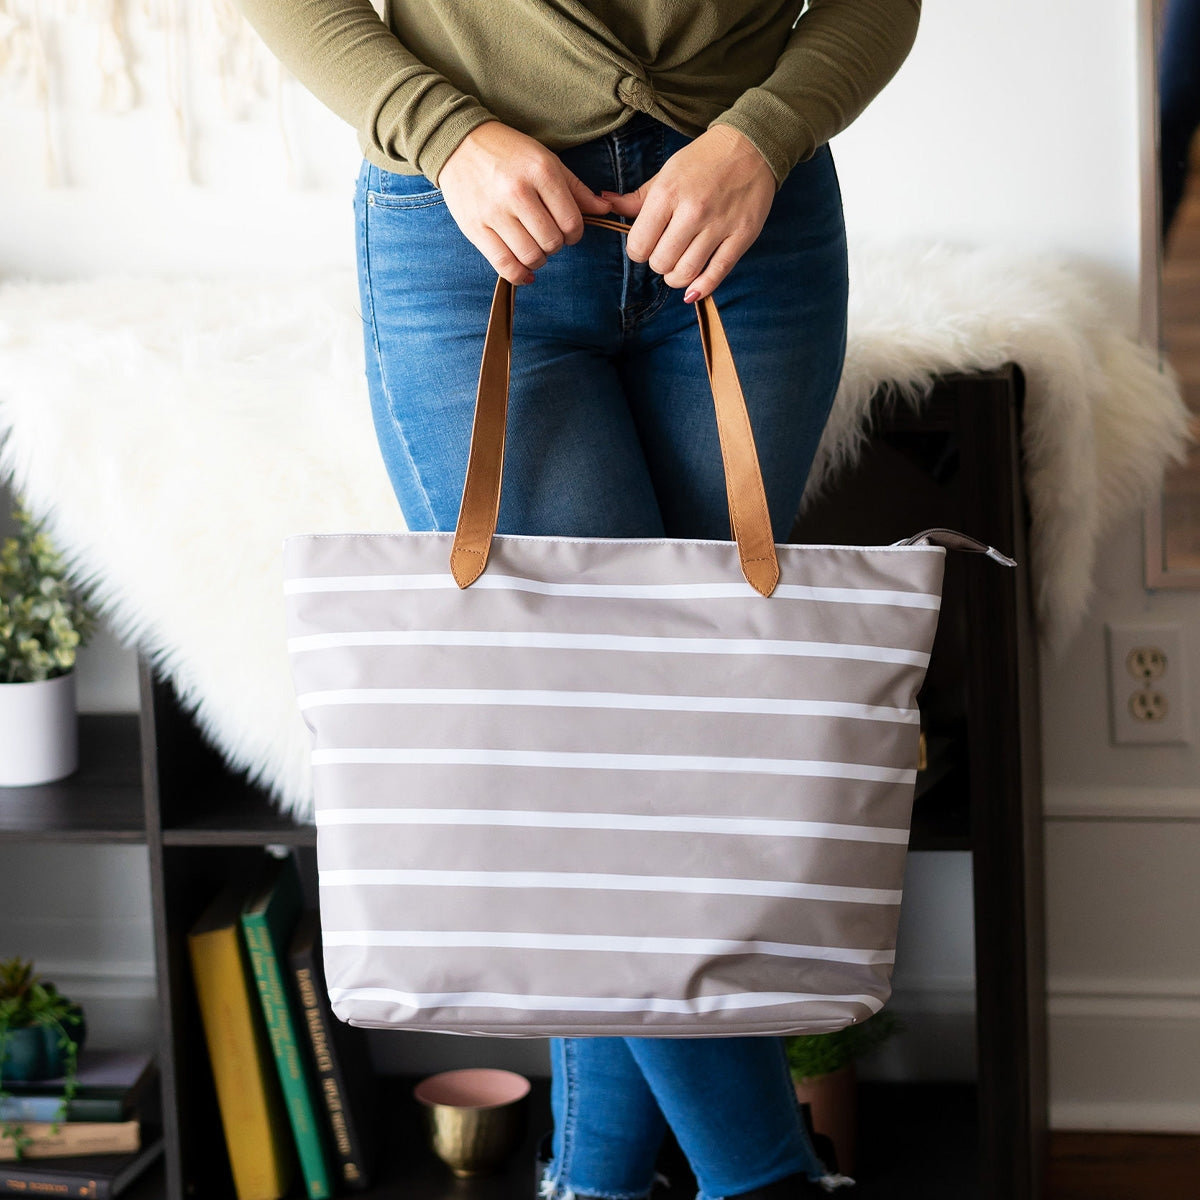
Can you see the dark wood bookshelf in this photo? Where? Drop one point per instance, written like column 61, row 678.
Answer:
column 250, row 825
column 941, row 818
column 954, row 463
column 151, row 1186
column 918, row 1141
column 942, row 813
column 100, row 802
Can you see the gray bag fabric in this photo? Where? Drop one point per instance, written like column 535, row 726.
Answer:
column 610, row 786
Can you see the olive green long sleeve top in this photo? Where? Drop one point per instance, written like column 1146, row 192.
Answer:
column 417, row 81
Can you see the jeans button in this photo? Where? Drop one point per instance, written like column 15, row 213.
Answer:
column 636, row 93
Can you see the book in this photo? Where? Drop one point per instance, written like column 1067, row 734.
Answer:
column 111, row 1086
column 48, row 1108
column 95, row 1176
column 52, row 1139
column 268, row 918
column 247, row 1085
column 341, row 1059
column 100, row 1074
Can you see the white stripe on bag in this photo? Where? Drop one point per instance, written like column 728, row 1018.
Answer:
column 606, row 591
column 441, row 939
column 597, row 881
column 382, row 756
column 737, row 826
column 603, row 641
column 621, row 700
column 729, row 1002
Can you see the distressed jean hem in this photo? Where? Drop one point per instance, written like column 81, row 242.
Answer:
column 827, row 1182
column 554, row 1190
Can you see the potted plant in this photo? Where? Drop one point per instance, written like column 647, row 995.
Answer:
column 824, row 1075
column 34, row 1038
column 42, row 625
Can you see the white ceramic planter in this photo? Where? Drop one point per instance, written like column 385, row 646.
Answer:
column 39, row 731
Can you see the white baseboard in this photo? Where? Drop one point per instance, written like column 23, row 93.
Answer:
column 1125, row 1054
column 1105, row 802
column 119, row 1000
column 1126, row 1117
column 108, row 980
column 1119, row 1000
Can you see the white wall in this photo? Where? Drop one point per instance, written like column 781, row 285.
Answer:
column 255, row 182
column 1013, row 123
column 1010, row 123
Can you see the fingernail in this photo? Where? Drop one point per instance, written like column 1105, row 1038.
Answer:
column 690, row 295
column 528, row 278
column 609, row 195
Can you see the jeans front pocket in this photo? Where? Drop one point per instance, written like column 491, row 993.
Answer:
column 390, row 189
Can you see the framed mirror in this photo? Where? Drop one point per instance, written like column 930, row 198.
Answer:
column 1169, row 101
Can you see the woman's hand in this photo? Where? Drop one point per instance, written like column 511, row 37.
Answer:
column 513, row 199
column 701, row 212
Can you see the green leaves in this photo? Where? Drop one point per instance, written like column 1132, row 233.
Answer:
column 26, row 1001
column 16, row 980
column 42, row 622
column 813, row 1054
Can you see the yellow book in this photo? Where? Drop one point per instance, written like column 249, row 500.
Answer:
column 252, row 1113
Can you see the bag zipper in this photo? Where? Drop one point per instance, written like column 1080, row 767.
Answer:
column 951, row 539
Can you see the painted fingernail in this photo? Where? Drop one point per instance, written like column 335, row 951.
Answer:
column 690, row 295
column 528, row 278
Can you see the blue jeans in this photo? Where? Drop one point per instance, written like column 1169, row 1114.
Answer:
column 610, row 426
column 611, row 434
column 729, row 1101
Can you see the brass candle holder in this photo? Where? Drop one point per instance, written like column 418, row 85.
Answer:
column 475, row 1118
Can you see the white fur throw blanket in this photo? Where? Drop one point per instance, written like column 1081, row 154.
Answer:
column 172, row 432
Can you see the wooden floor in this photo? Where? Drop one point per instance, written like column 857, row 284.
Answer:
column 1123, row 1166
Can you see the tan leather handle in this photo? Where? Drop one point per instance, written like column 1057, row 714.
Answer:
column 749, row 518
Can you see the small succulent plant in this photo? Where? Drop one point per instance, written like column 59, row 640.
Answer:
column 814, row 1054
column 26, row 1002
column 42, row 621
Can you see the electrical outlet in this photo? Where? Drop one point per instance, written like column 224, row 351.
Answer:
column 1147, row 685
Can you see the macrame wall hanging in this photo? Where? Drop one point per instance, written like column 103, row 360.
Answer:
column 140, row 53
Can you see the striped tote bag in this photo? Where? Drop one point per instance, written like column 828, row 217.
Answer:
column 610, row 787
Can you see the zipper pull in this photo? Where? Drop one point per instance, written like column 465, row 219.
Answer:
column 953, row 540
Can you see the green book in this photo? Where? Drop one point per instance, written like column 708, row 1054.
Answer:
column 268, row 919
